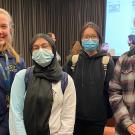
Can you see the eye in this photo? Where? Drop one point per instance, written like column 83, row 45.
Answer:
column 45, row 45
column 90, row 37
column 4, row 26
column 35, row 47
column 93, row 37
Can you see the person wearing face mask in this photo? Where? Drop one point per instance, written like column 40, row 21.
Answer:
column 10, row 64
column 41, row 108
column 91, row 84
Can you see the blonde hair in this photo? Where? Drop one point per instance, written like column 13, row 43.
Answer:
column 8, row 46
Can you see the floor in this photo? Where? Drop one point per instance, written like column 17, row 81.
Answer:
column 109, row 131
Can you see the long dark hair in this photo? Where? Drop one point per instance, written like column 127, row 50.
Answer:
column 93, row 26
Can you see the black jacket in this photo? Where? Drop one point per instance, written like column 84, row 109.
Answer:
column 91, row 86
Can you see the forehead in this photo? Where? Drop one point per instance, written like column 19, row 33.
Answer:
column 40, row 41
column 4, row 19
column 89, row 31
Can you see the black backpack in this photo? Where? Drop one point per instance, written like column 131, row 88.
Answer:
column 29, row 73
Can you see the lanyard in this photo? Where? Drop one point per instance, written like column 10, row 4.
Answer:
column 6, row 73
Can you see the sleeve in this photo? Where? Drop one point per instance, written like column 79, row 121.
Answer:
column 110, row 70
column 109, row 76
column 68, row 110
column 120, row 110
column 16, row 123
column 67, row 66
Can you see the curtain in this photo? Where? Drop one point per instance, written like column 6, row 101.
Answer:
column 65, row 18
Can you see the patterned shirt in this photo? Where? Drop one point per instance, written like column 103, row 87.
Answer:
column 122, row 93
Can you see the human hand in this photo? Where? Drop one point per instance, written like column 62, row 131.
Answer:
column 131, row 129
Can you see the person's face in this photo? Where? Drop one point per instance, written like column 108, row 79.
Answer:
column 90, row 33
column 5, row 29
column 41, row 43
column 53, row 37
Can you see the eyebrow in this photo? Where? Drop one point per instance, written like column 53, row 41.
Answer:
column 41, row 44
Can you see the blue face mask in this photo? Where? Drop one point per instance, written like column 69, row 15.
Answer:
column 90, row 45
column 43, row 57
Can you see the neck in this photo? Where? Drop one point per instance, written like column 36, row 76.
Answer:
column 92, row 53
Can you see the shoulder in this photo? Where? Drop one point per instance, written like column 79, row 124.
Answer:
column 69, row 57
column 22, row 63
column 70, row 84
column 122, row 58
column 21, row 74
column 21, row 60
column 66, row 79
column 111, row 61
column 67, row 82
column 70, row 79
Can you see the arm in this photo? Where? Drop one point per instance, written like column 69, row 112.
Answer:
column 67, row 66
column 68, row 110
column 16, row 124
column 110, row 71
column 109, row 76
column 120, row 110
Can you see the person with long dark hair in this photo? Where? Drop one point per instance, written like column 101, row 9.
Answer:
column 91, row 82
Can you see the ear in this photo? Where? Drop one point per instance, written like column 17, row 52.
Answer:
column 12, row 32
column 11, row 35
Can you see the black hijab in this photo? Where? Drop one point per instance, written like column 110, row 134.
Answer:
column 39, row 97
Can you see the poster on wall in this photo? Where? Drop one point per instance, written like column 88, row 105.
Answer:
column 120, row 23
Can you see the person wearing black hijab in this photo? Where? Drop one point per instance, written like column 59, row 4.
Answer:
column 42, row 108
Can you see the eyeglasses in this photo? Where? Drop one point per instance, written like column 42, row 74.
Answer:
column 43, row 46
column 93, row 37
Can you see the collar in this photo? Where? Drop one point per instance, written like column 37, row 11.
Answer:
column 9, row 54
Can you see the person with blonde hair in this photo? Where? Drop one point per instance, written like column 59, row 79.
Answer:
column 10, row 63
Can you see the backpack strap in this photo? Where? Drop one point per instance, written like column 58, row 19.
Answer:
column 74, row 60
column 64, row 81
column 29, row 72
column 28, row 75
column 105, row 61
